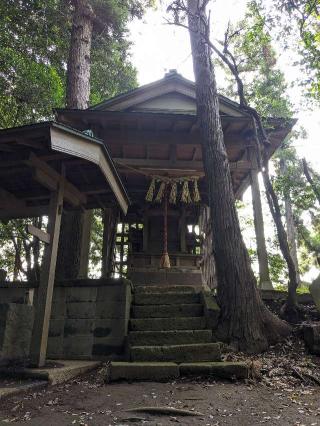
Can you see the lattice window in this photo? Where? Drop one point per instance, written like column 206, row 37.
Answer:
column 121, row 249
column 193, row 238
column 123, row 246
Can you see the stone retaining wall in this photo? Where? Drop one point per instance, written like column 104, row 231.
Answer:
column 89, row 318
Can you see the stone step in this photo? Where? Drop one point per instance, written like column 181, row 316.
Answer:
column 199, row 352
column 155, row 371
column 162, row 371
column 162, row 324
column 143, row 338
column 223, row 370
column 163, row 289
column 167, row 311
column 169, row 298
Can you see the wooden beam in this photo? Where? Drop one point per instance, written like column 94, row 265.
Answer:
column 87, row 219
column 6, row 148
column 38, row 233
column 51, row 179
column 51, row 184
column 10, row 201
column 39, row 342
column 23, row 212
column 194, row 153
column 173, row 153
column 165, row 164
column 151, row 137
column 32, row 143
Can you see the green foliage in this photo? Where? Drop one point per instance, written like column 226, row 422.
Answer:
column 21, row 253
column 264, row 84
column 110, row 58
column 297, row 24
column 32, row 48
column 29, row 90
column 277, row 268
column 293, row 184
column 96, row 244
column 34, row 44
column 303, row 289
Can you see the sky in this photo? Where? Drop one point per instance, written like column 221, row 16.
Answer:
column 158, row 47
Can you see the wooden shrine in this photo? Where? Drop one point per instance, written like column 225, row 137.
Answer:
column 153, row 131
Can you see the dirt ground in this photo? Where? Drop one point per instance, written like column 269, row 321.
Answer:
column 87, row 401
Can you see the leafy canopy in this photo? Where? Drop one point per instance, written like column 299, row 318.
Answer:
column 34, row 44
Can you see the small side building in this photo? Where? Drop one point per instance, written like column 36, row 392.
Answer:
column 45, row 168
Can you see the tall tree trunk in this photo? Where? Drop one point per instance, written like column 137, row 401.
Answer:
column 291, row 228
column 289, row 310
column 78, row 92
column 245, row 322
column 265, row 281
column 110, row 221
column 78, row 75
column 17, row 258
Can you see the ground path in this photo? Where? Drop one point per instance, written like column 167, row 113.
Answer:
column 87, row 402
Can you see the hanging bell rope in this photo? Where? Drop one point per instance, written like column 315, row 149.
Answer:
column 165, row 259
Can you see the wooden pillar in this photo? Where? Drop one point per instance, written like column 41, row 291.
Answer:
column 265, row 282
column 47, row 276
column 110, row 221
column 85, row 243
column 183, row 230
column 145, row 231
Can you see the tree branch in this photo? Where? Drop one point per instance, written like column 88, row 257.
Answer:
column 310, row 179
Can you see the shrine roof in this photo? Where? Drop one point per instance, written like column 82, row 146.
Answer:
column 35, row 159
column 173, row 93
column 155, row 126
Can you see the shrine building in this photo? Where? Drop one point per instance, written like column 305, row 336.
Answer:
column 138, row 158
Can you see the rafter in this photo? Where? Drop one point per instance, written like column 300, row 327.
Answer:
column 51, row 179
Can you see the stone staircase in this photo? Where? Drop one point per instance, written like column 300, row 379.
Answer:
column 169, row 336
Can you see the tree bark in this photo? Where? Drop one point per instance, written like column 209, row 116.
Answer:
column 291, row 228
column 110, row 221
column 72, row 246
column 78, row 75
column 245, row 322
column 290, row 308
column 265, row 281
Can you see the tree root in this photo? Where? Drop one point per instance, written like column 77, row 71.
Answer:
column 305, row 377
column 291, row 313
column 165, row 411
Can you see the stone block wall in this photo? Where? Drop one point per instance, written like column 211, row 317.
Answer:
column 16, row 321
column 89, row 318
